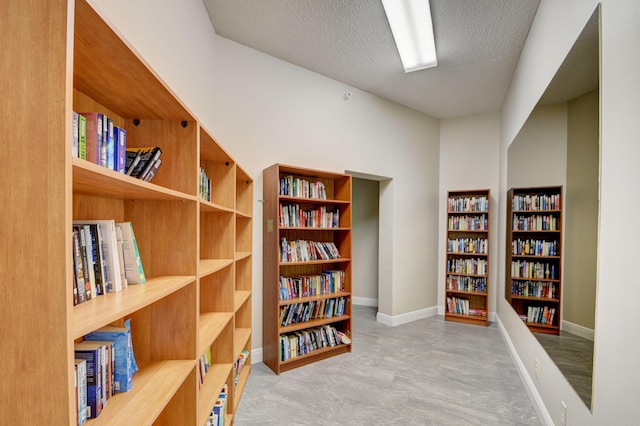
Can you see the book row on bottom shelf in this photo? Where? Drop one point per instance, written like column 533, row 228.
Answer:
column 106, row 258
column 539, row 314
column 460, row 305
column 306, row 341
column 315, row 309
column 104, row 365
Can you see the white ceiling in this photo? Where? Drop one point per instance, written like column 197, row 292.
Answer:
column 478, row 44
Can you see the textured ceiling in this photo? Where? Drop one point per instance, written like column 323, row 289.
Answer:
column 478, row 44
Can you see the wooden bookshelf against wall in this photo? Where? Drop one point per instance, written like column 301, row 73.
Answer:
column 306, row 295
column 197, row 296
column 534, row 256
column 467, row 257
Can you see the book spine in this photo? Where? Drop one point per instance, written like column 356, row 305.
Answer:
column 74, row 130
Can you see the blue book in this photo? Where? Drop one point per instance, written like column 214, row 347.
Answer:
column 92, row 352
column 120, row 144
column 124, row 366
column 110, row 149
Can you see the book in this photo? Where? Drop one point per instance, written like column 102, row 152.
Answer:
column 108, row 368
column 94, row 128
column 74, row 134
column 99, row 262
column 134, row 270
column 82, row 137
column 133, row 156
column 120, row 243
column 111, row 145
column 120, row 145
column 92, row 353
column 80, row 370
column 105, row 137
column 109, row 246
column 81, row 276
column 124, row 366
column 152, row 171
column 85, row 239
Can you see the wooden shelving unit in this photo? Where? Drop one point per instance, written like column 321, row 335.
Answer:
column 467, row 257
column 534, row 256
column 196, row 254
column 276, row 269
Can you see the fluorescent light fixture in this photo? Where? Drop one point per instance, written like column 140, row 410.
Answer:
column 410, row 22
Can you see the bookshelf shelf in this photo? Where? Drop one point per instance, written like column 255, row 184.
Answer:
column 196, row 253
column 467, row 257
column 534, row 256
column 326, row 199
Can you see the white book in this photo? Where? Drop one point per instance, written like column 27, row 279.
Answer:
column 123, row 275
column 132, row 262
column 109, row 246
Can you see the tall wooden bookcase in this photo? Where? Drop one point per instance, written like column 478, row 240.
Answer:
column 534, row 256
column 196, row 254
column 467, row 257
column 291, row 285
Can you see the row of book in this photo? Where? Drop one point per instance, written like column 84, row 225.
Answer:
column 467, row 266
column 205, row 185
column 330, row 281
column 536, row 202
column 539, row 315
column 306, row 341
column 459, row 305
column 468, row 204
column 106, row 258
column 534, row 289
column 291, row 215
column 534, row 247
column 535, row 223
column 218, row 414
column 293, row 186
column 104, row 364
column 468, row 223
column 95, row 138
column 468, row 245
column 477, row 284
column 527, row 269
column 304, row 251
column 315, row 309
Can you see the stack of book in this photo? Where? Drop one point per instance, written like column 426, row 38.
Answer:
column 106, row 258
column 143, row 163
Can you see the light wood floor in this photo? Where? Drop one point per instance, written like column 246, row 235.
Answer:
column 427, row 372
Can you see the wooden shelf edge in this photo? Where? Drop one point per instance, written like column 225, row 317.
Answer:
column 102, row 310
column 210, row 266
column 241, row 337
column 470, row 293
column 92, row 179
column 240, row 255
column 314, row 356
column 212, row 324
column 153, row 387
column 210, row 207
column 467, row 319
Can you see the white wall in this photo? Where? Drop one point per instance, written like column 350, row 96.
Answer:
column 263, row 110
column 365, row 221
column 616, row 380
column 468, row 160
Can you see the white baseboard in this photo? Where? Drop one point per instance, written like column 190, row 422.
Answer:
column 256, row 356
column 364, row 301
column 538, row 404
column 578, row 330
column 395, row 320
